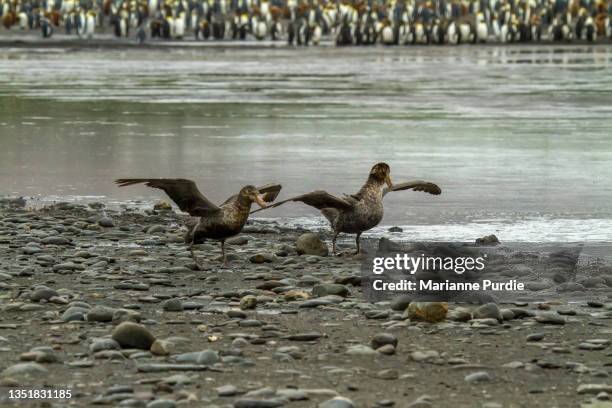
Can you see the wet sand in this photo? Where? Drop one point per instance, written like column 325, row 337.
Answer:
column 275, row 329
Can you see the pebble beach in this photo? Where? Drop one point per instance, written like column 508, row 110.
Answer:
column 107, row 304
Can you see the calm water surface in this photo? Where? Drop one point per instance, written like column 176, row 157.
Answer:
column 519, row 138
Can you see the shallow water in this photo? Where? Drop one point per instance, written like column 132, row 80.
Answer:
column 517, row 137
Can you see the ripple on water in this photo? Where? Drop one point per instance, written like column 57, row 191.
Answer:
column 507, row 132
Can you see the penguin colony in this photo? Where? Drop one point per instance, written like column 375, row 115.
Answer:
column 299, row 22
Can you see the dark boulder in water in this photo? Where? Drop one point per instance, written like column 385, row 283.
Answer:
column 487, row 240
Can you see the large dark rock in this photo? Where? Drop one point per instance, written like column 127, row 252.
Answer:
column 488, row 240
column 133, row 335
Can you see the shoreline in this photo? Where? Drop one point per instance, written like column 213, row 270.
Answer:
column 34, row 41
column 447, row 230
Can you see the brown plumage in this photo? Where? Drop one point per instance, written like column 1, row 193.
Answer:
column 54, row 17
column 106, row 7
column 600, row 23
column 277, row 12
column 362, row 211
column 9, row 19
column 215, row 222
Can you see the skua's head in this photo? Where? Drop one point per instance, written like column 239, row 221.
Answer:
column 382, row 172
column 252, row 195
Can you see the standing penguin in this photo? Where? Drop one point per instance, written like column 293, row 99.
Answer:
column 276, row 30
column 124, row 27
column 536, row 28
column 466, row 33
column 437, row 32
column 579, row 25
column 386, row 34
column 69, row 23
column 179, row 26
column 298, row 27
column 344, row 35
column 420, row 34
column 317, row 33
column 90, row 24
column 194, row 20
column 260, row 27
column 141, row 34
column 589, row 32
column 243, row 26
column 507, row 32
column 452, row 33
column 218, row 27
column 23, row 20
column 80, row 21
column 482, row 31
column 304, row 34
column 46, row 27
column 156, row 28
column 204, row 29
column 559, row 30
column 167, row 28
